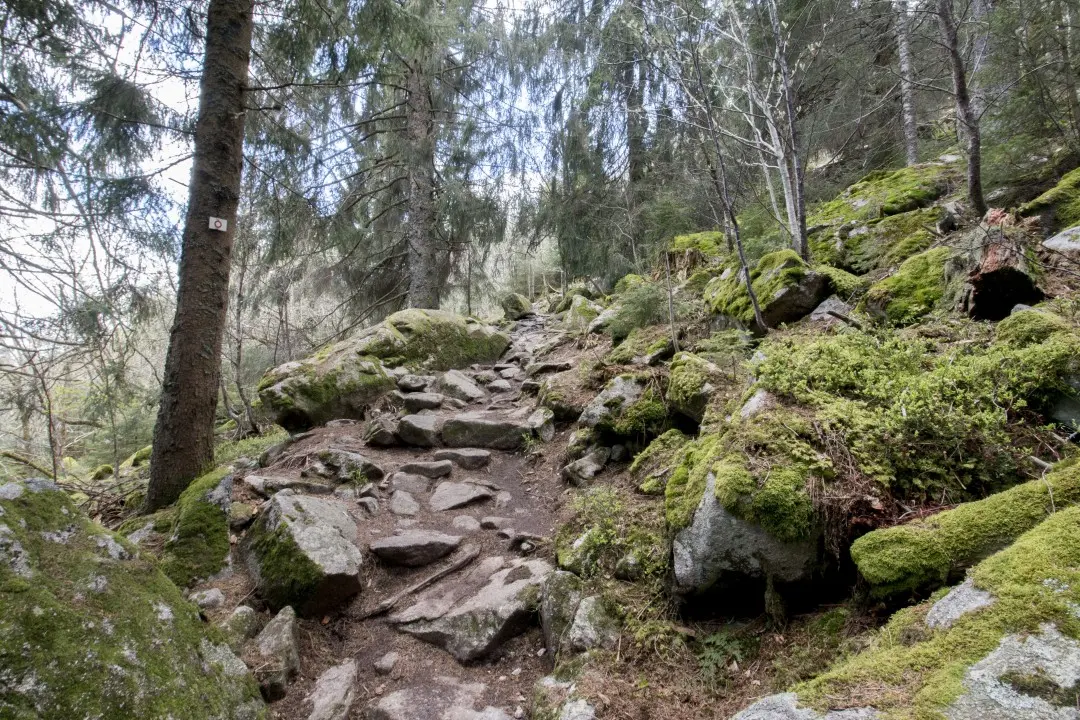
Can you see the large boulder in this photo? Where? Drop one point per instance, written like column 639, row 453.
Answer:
column 471, row 617
column 515, row 306
column 302, row 552
column 342, row 380
column 629, row 406
column 692, row 383
column 581, row 313
column 89, row 628
column 787, row 290
column 494, row 430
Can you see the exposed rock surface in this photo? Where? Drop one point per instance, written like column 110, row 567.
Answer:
column 420, row 430
column 279, row 655
column 785, row 706
column 961, row 600
column 515, row 306
column 486, row 430
column 334, row 693
column 457, row 384
column 581, row 471
column 451, row 495
column 415, row 547
column 465, row 458
column 443, row 698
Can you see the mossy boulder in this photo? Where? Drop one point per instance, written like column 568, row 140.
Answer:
column 653, row 465
column 643, row 346
column 887, row 192
column 628, row 282
column 342, row 380
column 90, row 628
column 197, row 543
column 687, row 254
column 693, row 382
column 928, row 553
column 1029, row 327
column 628, row 406
column 564, row 394
column 879, row 243
column 913, row 290
column 1058, row 207
column 1012, row 655
column 787, row 290
column 515, row 306
column 581, row 313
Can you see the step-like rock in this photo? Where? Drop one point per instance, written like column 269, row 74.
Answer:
column 543, row 368
column 410, row 483
column 278, row 653
column 419, row 430
column 499, row 386
column 436, row 469
column 465, row 458
column 451, row 495
column 266, row 486
column 581, row 471
column 458, row 385
column 403, row 503
column 414, row 548
column 317, row 537
column 415, row 383
column 417, row 401
column 442, row 698
column 495, row 430
column 347, row 465
column 381, row 432
column 478, row 619
column 513, row 372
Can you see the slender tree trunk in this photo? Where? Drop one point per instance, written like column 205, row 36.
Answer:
column 798, row 181
column 184, row 435
column 907, row 83
column 1066, row 42
column 420, row 214
column 967, row 120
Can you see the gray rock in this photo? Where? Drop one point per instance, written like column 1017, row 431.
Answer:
column 419, row 430
column 369, row 504
column 558, row 604
column 961, row 600
column 415, row 383
column 347, row 465
column 209, row 599
column 544, row 368
column 414, row 548
column 243, row 624
column 278, row 653
column 410, row 483
column 320, row 531
column 621, row 391
column 542, row 423
column 385, row 664
column 593, row 627
column 581, row 471
column 450, row 495
column 718, row 545
column 510, row 373
column 268, row 486
column 436, row 469
column 381, row 432
column 1066, row 241
column 458, row 385
column 485, row 377
column 490, row 522
column 402, row 503
column 1049, row 655
column 830, row 304
column 516, row 306
column 530, row 387
column 471, row 622
column 758, row 403
column 442, row 698
column 785, row 706
column 486, row 430
column 577, row 710
column 465, row 523
column 334, row 693
column 415, row 402
column 465, row 458
column 499, row 386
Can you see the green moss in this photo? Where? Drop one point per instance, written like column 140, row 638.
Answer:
column 286, row 575
column 878, row 244
column 844, row 284
column 1034, row 581
column 515, row 306
column 95, row 625
column 660, row 455
column 250, row 447
column 627, row 282
column 198, row 543
column 1063, row 200
column 1030, row 326
column 101, row 472
column 645, row 417
column 886, row 192
column 913, row 290
column 639, row 343
column 726, row 295
column 604, row 530
column 710, row 243
column 924, row 554
column 581, row 313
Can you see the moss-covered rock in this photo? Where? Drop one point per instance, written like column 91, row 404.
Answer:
column 653, row 465
column 787, row 289
column 887, row 192
column 344, row 379
column 643, row 346
column 581, row 313
column 89, row 629
column 692, row 383
column 515, row 306
column 914, row 670
column 927, row 553
column 1029, row 327
column 913, row 290
column 628, row 406
column 878, row 244
column 197, row 545
column 564, row 394
column 1059, row 206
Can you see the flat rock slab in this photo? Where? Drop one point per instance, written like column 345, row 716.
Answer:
column 436, row 469
column 471, row 620
column 347, row 464
column 442, row 698
column 499, row 386
column 334, row 693
column 450, row 495
column 417, row 401
column 414, row 548
column 543, row 368
column 458, row 385
column 403, row 503
column 267, row 486
column 419, row 430
column 486, row 430
column 410, row 483
column 415, row 383
column 465, row 458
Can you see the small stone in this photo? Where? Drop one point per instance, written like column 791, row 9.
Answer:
column 410, row 483
column 241, row 515
column 277, row 647
column 530, row 387
column 242, row 625
column 465, row 523
column 419, row 430
column 450, row 495
column 465, row 458
column 485, row 377
column 512, row 372
column 334, row 693
column 436, row 469
column 491, row 522
column 499, row 386
column 415, row 548
column 381, row 432
column 581, row 471
column 415, row 402
column 369, row 504
column 402, row 503
column 543, row 368
column 209, row 599
column 415, row 383
column 385, row 664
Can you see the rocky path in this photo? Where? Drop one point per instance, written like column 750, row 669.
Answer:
column 431, row 527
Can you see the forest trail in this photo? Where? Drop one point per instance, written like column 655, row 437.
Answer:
column 482, row 521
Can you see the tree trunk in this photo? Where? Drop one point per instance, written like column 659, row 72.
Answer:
column 184, row 435
column 420, row 213
column 907, row 83
column 797, row 177
column 967, row 121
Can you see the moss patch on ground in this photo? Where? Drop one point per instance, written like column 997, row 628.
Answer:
column 652, row 465
column 878, row 244
column 913, row 290
column 1029, row 327
column 927, row 553
column 1061, row 202
column 88, row 626
column 913, row 672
